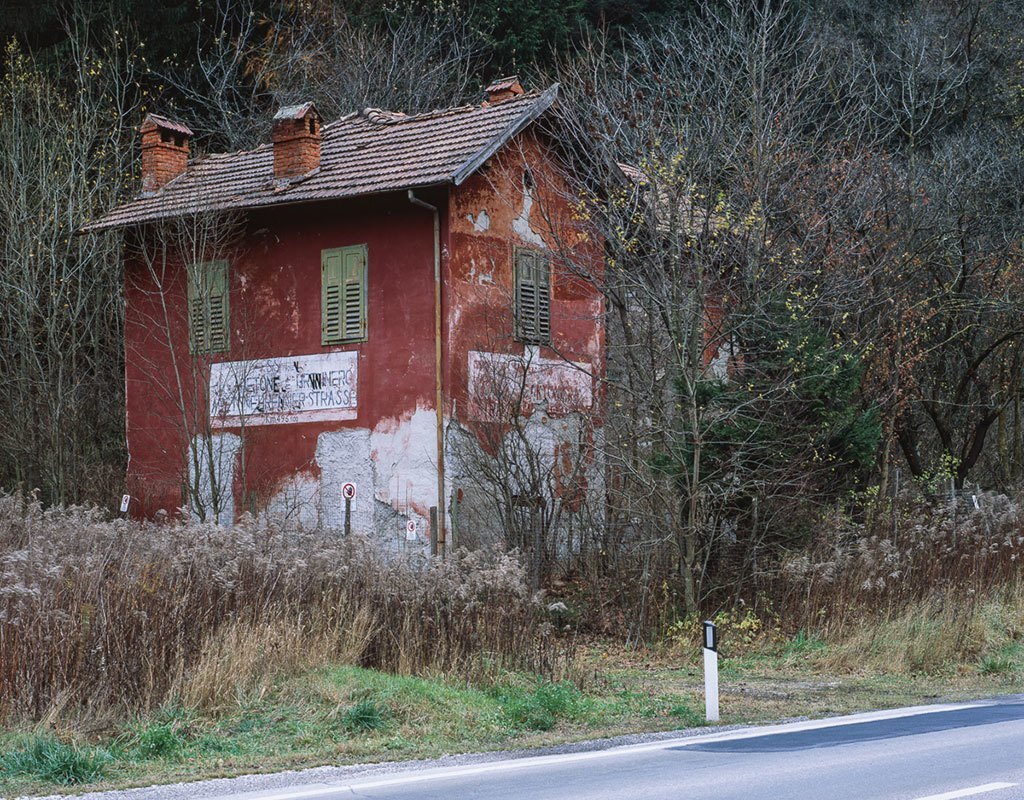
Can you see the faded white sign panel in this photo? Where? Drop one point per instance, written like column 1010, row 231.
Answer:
column 501, row 384
column 271, row 391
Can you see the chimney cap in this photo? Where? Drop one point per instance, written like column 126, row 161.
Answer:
column 509, row 84
column 504, row 89
column 163, row 123
column 299, row 111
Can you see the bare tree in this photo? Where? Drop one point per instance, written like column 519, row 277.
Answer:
column 67, row 156
column 721, row 349
column 250, row 64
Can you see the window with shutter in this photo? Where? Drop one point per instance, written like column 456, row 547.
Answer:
column 208, row 320
column 343, row 295
column 533, row 297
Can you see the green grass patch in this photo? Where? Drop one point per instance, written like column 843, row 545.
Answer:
column 1005, row 660
column 365, row 716
column 803, row 645
column 345, row 715
column 539, row 708
column 167, row 735
column 44, row 758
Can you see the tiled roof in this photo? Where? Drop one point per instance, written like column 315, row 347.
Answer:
column 364, row 153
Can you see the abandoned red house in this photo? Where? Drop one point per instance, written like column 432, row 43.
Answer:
column 347, row 305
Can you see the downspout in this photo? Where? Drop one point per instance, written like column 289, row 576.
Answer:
column 438, row 372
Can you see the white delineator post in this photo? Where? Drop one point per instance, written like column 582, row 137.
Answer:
column 710, row 671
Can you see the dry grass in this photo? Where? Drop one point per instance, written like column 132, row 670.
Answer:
column 241, row 661
column 919, row 562
column 946, row 635
column 99, row 614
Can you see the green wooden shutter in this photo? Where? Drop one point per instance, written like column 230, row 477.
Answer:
column 343, row 294
column 208, row 319
column 196, row 315
column 542, row 277
column 217, row 306
column 533, row 297
column 330, row 297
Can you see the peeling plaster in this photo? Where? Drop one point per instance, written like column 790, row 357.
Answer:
column 481, row 278
column 478, row 523
column 394, row 470
column 521, row 224
column 344, row 456
column 482, row 222
column 720, row 365
column 298, row 499
column 219, row 451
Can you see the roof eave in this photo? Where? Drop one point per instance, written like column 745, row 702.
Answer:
column 517, row 126
column 100, row 225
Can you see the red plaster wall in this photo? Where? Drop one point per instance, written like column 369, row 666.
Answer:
column 479, row 278
column 275, row 311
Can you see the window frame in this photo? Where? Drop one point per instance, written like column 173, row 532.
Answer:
column 202, row 278
column 536, row 334
column 342, row 336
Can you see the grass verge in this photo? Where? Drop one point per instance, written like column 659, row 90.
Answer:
column 343, row 714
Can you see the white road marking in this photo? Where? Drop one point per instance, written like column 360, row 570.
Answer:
column 438, row 773
column 969, row 792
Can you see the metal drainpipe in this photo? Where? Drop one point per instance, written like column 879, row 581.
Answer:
column 438, row 372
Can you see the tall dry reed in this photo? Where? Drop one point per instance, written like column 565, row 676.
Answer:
column 916, row 555
column 100, row 613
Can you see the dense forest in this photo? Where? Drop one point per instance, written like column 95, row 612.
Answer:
column 842, row 181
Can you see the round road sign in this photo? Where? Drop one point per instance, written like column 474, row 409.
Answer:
column 348, row 491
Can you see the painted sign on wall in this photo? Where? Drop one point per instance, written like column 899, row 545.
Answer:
column 497, row 382
column 281, row 390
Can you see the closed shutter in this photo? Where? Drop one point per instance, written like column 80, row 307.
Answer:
column 208, row 317
column 533, row 297
column 343, row 294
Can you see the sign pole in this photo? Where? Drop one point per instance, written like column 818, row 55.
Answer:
column 348, row 491
column 710, row 671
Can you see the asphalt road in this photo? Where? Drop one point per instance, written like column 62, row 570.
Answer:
column 924, row 753
column 927, row 753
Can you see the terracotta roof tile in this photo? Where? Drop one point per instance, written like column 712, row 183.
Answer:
column 503, row 84
column 168, row 124
column 363, row 153
column 295, row 112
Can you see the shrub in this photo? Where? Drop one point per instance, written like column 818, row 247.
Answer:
column 740, row 631
column 47, row 759
column 97, row 612
column 909, row 554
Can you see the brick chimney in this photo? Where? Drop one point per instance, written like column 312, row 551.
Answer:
column 164, row 151
column 503, row 89
column 296, row 138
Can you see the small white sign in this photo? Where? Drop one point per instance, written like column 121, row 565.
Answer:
column 410, row 530
column 348, row 491
column 125, row 502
